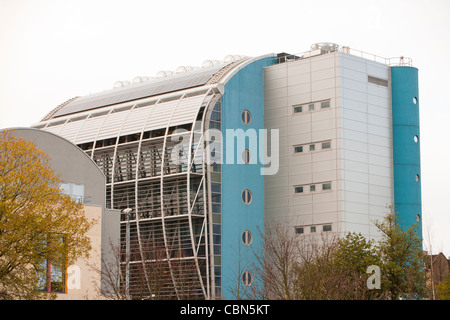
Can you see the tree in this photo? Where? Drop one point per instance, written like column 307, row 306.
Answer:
column 332, row 266
column 39, row 224
column 443, row 288
column 276, row 264
column 353, row 256
column 402, row 259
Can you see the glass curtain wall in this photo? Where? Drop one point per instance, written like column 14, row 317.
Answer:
column 170, row 241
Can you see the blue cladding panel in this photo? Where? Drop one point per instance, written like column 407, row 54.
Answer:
column 405, row 124
column 243, row 91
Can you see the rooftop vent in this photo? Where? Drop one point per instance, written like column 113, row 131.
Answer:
column 121, row 84
column 182, row 69
column 232, row 58
column 139, row 80
column 325, row 47
column 210, row 63
column 163, row 74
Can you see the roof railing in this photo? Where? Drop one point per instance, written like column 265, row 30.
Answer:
column 324, row 48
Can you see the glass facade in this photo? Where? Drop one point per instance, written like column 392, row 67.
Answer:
column 171, row 240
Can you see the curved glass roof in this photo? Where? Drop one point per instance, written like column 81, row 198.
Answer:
column 137, row 91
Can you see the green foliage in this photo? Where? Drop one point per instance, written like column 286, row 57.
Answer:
column 402, row 259
column 443, row 288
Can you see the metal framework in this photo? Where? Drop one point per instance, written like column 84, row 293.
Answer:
column 152, row 153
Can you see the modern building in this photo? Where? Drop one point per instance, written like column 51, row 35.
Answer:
column 206, row 158
column 349, row 140
column 82, row 179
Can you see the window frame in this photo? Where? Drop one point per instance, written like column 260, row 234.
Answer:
column 247, row 237
column 246, row 117
column 326, row 186
column 247, row 278
column 298, row 192
column 246, row 196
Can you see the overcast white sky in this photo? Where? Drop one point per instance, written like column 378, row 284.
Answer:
column 53, row 50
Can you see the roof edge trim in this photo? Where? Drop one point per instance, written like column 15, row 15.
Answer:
column 242, row 65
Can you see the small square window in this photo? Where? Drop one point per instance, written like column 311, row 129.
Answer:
column 298, row 149
column 312, row 147
column 326, row 227
column 299, row 230
column 298, row 189
column 326, row 186
column 325, row 104
column 326, row 145
column 313, row 229
column 312, row 187
column 311, row 107
column 298, row 109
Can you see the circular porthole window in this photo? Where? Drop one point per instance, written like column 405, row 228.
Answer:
column 246, row 196
column 246, row 117
column 247, row 238
column 246, row 156
column 247, row 278
column 415, row 100
column 416, row 139
column 417, row 178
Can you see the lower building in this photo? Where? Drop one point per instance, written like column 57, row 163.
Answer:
column 204, row 159
column 82, row 179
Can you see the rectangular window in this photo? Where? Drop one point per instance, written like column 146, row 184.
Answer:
column 326, row 186
column 378, row 81
column 311, row 107
column 299, row 230
column 298, row 149
column 297, row 109
column 326, row 145
column 298, row 189
column 312, row 147
column 326, row 227
column 325, row 104
column 312, row 187
column 76, row 191
column 313, row 229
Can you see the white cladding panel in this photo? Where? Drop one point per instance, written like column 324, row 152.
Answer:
column 358, row 125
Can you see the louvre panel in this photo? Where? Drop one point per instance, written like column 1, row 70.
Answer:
column 136, row 120
column 54, row 129
column 89, row 129
column 160, row 116
column 112, row 125
column 70, row 130
column 187, row 110
column 156, row 116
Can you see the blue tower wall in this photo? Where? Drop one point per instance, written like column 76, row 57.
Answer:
column 243, row 91
column 405, row 126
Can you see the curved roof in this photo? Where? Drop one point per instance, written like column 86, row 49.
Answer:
column 149, row 88
column 152, row 105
